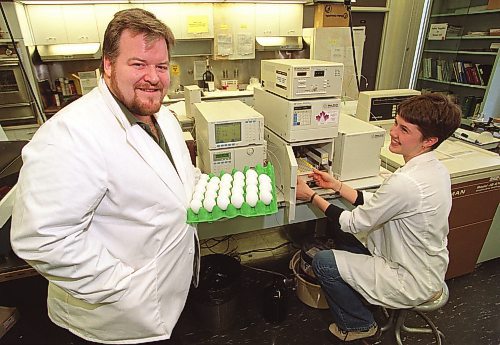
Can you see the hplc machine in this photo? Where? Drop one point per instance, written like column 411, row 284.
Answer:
column 300, row 102
column 229, row 134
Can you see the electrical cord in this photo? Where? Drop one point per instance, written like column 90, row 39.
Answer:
column 41, row 114
column 263, row 250
column 347, row 3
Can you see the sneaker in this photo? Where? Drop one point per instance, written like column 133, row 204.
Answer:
column 352, row 335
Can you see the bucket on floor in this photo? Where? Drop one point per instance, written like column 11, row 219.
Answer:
column 309, row 293
column 216, row 298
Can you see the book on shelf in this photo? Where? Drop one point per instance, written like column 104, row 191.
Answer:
column 485, row 72
column 471, row 73
column 495, row 32
column 464, row 72
column 470, row 105
column 478, row 33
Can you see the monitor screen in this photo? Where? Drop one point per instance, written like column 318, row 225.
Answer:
column 227, row 132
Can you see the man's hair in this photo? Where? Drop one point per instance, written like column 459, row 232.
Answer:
column 433, row 113
column 138, row 21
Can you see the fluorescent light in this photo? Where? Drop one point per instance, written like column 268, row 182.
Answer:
column 75, row 2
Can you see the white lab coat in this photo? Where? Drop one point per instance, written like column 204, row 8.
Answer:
column 101, row 213
column 407, row 225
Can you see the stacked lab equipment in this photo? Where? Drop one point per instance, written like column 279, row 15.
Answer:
column 229, row 135
column 300, row 102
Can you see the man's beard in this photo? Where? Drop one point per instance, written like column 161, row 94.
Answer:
column 135, row 105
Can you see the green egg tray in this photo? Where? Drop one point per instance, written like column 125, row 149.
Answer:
column 246, row 210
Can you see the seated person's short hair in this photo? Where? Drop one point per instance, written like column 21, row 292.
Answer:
column 434, row 114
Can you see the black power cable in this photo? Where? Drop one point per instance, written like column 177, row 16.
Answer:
column 347, row 3
column 41, row 115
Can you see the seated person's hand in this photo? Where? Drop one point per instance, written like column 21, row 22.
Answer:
column 303, row 192
column 323, row 179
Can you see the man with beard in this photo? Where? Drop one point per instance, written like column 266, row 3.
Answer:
column 103, row 194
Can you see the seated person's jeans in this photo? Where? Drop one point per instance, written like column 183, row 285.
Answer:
column 347, row 305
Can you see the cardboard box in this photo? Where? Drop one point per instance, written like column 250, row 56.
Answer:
column 8, row 318
column 330, row 15
column 493, row 4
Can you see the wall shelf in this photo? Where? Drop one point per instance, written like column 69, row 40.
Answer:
column 453, row 83
column 459, row 52
column 474, row 38
column 463, row 14
column 462, row 66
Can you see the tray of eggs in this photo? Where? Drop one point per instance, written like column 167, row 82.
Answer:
column 248, row 193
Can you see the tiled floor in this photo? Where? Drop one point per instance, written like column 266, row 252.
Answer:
column 470, row 317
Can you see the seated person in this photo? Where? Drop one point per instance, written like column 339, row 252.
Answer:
column 405, row 221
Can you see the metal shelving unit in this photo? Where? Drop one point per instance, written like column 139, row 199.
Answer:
column 454, row 64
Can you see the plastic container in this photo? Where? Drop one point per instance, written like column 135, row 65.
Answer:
column 246, row 210
column 308, row 293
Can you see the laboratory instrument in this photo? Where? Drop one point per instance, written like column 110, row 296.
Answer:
column 298, row 120
column 379, row 107
column 302, row 78
column 229, row 135
column 357, row 149
column 227, row 124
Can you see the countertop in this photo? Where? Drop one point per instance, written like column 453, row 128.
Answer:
column 214, row 95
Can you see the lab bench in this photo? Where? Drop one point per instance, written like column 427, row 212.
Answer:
column 246, row 96
column 304, row 212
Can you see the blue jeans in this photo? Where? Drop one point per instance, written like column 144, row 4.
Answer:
column 346, row 304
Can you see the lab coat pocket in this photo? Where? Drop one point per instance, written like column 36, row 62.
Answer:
column 139, row 306
column 135, row 315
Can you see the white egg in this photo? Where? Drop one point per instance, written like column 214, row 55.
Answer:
column 237, row 190
column 202, row 182
column 238, row 183
column 251, row 172
column 238, row 176
column 195, row 205
column 251, row 180
column 264, row 178
column 215, row 179
column 265, row 197
column 200, row 189
column 226, row 178
column 225, row 184
column 197, row 196
column 237, row 200
column 209, row 204
column 210, row 194
column 251, row 188
column 213, row 186
column 224, row 192
column 251, row 199
column 204, row 177
column 222, row 202
column 265, row 187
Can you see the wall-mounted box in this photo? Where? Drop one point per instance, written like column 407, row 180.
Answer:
column 330, row 15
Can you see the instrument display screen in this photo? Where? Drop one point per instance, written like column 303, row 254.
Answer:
column 227, row 132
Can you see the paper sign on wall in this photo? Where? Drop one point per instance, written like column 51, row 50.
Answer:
column 197, row 24
column 224, row 44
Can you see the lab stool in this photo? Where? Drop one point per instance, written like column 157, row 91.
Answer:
column 397, row 318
